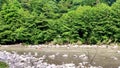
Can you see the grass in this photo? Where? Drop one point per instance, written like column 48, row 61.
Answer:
column 3, row 65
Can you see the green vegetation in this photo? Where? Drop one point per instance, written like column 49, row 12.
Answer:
column 3, row 65
column 59, row 21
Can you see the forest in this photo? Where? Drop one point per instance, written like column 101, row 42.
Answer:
column 59, row 21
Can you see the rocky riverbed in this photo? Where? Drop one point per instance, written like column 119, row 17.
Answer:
column 56, row 56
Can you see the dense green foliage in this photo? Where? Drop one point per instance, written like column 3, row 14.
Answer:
column 59, row 21
column 3, row 65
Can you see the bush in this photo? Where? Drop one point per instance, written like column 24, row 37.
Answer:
column 60, row 21
column 3, row 65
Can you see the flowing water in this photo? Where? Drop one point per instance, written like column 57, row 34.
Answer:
column 105, row 57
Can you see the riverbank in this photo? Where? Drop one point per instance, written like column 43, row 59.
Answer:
column 104, row 56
